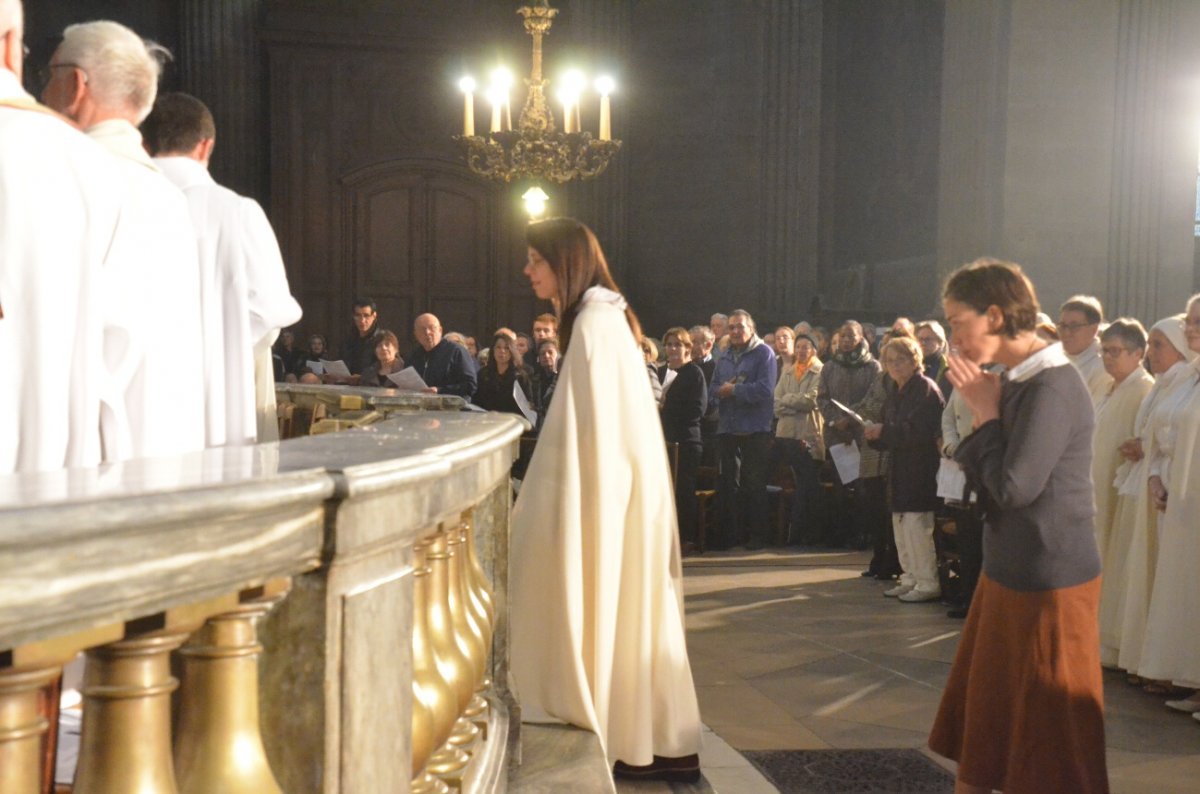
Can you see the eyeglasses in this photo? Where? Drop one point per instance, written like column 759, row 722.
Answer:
column 737, row 327
column 1072, row 327
column 364, row 315
column 47, row 71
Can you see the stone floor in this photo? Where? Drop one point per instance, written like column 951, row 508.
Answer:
column 797, row 651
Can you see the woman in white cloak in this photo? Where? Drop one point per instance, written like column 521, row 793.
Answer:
column 597, row 634
column 1123, row 345
column 1171, row 648
column 1169, row 357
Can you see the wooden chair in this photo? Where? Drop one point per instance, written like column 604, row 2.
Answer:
column 706, row 495
column 782, row 488
column 949, row 568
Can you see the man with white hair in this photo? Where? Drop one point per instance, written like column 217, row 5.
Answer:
column 59, row 214
column 104, row 78
column 244, row 287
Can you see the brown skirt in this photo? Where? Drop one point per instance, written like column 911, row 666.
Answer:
column 1023, row 710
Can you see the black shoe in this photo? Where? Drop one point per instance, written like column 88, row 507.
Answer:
column 867, row 574
column 685, row 769
column 957, row 613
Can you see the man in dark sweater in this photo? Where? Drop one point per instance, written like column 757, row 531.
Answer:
column 358, row 351
column 445, row 367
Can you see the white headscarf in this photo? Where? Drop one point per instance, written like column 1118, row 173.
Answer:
column 1172, row 328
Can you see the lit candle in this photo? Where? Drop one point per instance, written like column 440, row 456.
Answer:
column 497, row 106
column 502, row 81
column 605, row 86
column 573, row 84
column 565, row 98
column 467, row 84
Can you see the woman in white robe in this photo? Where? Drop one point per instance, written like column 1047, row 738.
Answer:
column 1171, row 649
column 1169, row 356
column 1123, row 345
column 597, row 636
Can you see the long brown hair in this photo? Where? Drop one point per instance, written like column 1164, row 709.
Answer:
column 578, row 263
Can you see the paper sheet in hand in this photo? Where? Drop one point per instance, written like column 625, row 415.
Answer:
column 846, row 458
column 408, row 379
column 523, row 404
column 315, row 367
column 338, row 368
column 951, row 480
column 846, row 410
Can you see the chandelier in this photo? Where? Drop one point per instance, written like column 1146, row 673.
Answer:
column 536, row 149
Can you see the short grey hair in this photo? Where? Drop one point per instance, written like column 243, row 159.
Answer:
column 746, row 314
column 122, row 69
column 704, row 332
column 935, row 326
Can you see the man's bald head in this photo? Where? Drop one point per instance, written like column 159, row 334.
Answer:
column 428, row 331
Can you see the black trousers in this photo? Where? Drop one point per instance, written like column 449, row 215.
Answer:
column 969, row 538
column 876, row 518
column 808, row 509
column 685, row 490
column 742, row 489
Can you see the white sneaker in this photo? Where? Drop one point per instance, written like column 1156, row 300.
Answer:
column 916, row 596
column 898, row 590
column 1188, row 706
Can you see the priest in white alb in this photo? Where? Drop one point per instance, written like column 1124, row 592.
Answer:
column 104, row 78
column 245, row 292
column 60, row 206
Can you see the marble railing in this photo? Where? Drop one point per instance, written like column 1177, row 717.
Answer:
column 325, row 614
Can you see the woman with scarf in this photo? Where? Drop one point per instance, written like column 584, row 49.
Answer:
column 798, row 435
column 596, row 588
column 846, row 378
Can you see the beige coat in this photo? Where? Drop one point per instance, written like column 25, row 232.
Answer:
column 796, row 408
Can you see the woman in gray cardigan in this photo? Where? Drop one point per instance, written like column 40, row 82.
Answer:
column 1023, row 709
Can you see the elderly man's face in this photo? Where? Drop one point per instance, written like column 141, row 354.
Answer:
column 719, row 325
column 740, row 329
column 428, row 331
column 701, row 347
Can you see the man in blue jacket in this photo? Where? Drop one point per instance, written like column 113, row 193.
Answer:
column 743, row 387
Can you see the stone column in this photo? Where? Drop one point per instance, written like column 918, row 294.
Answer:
column 1151, row 234
column 222, row 63
column 791, row 156
column 974, row 109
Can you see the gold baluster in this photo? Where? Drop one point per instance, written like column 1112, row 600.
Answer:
column 126, row 741
column 435, row 703
column 23, row 728
column 219, row 745
column 481, row 635
column 481, row 585
column 454, row 662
